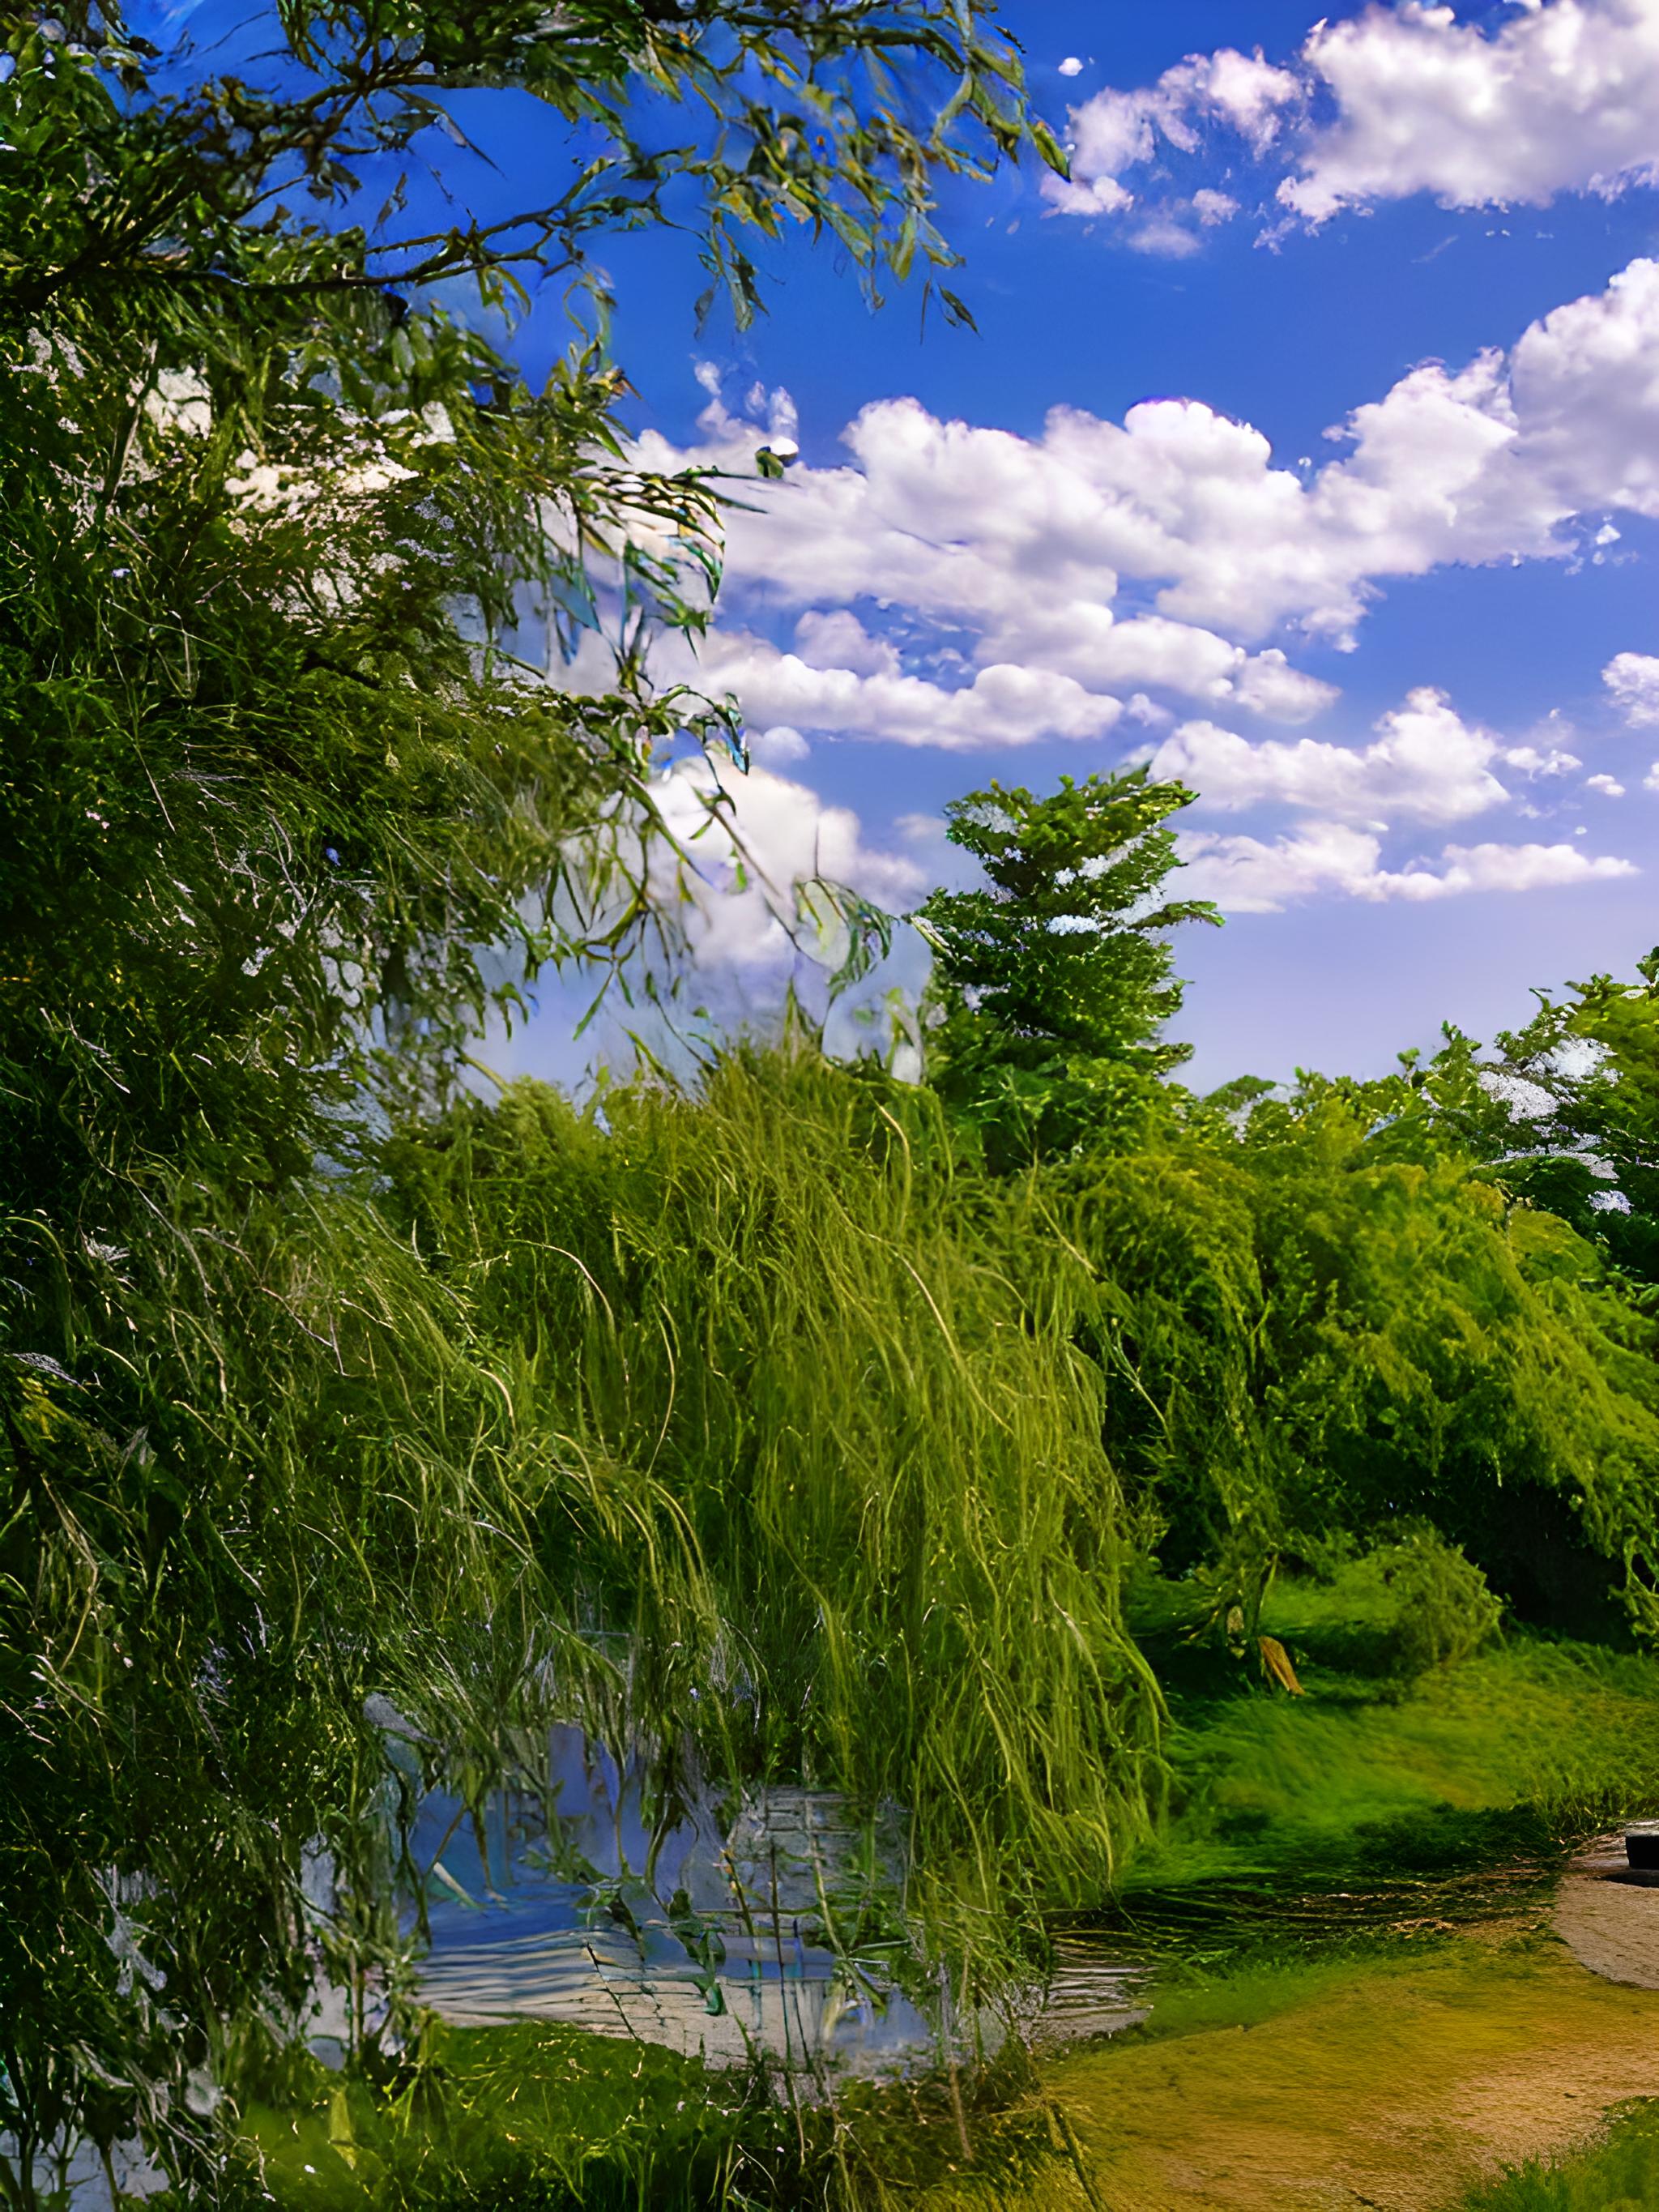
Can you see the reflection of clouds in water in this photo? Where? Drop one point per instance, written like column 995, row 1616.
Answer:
column 728, row 1968
column 716, row 1958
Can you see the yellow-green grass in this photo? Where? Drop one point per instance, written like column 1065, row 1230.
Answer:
column 1404, row 2080
column 1619, row 2173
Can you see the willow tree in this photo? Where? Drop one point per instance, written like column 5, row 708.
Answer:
column 277, row 511
column 841, row 1362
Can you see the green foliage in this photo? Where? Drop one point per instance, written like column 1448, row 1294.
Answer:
column 1563, row 1112
column 1331, row 1319
column 1323, row 1311
column 1583, row 1136
column 876, row 1543
column 1052, row 984
column 1369, row 1776
column 285, row 810
column 836, row 118
column 1441, row 1610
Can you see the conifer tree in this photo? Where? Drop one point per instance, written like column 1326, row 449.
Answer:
column 1053, row 982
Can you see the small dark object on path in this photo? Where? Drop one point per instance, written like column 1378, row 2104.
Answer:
column 1642, row 1844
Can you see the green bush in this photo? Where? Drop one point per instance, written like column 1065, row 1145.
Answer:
column 1442, row 1610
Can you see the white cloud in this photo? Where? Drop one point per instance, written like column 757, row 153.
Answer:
column 1250, row 875
column 1563, row 96
column 780, row 747
column 1555, row 96
column 1081, row 638
column 1071, row 66
column 1267, row 684
column 1534, row 764
column 839, row 639
column 1029, row 543
column 1609, row 786
column 1117, row 131
column 1003, row 705
column 1426, row 764
column 780, row 834
column 1110, row 133
column 1164, row 233
column 1519, row 868
column 1633, row 680
column 1243, row 89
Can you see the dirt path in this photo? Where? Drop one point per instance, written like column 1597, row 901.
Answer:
column 1391, row 2085
column 1608, row 1915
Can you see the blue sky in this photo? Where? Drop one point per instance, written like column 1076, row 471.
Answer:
column 1459, row 854
column 1412, row 667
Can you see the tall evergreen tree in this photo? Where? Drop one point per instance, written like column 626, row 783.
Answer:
column 1053, row 978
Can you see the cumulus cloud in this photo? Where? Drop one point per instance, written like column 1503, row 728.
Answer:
column 1252, row 875
column 839, row 639
column 1426, row 764
column 1534, row 762
column 1558, row 96
column 1267, row 684
column 1633, row 680
column 1563, row 96
column 1003, row 705
column 778, row 747
column 1029, row 543
column 1117, row 131
column 954, row 586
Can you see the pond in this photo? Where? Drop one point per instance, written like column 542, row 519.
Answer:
column 721, row 1956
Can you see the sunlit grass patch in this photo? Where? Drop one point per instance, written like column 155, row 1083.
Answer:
column 1404, row 2078
column 1540, row 1738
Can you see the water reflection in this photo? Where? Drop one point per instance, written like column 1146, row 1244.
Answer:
column 722, row 1954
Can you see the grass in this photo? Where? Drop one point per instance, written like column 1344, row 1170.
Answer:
column 552, row 2119
column 536, row 2115
column 1529, row 1741
column 1403, row 2078
column 1618, row 2174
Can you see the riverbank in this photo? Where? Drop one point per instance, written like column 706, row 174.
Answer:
column 1358, row 1924
column 1397, row 2081
column 1347, row 1936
